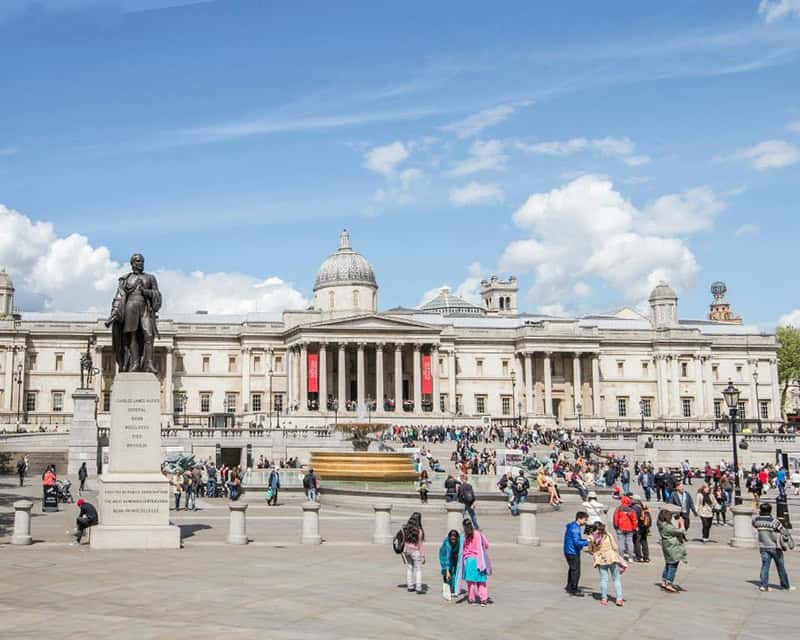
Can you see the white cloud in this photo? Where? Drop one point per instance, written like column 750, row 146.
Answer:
column 770, row 154
column 747, row 229
column 477, row 122
column 791, row 319
column 69, row 274
column 385, row 159
column 622, row 148
column 681, row 213
column 483, row 156
column 476, row 193
column 794, row 127
column 772, row 10
column 587, row 230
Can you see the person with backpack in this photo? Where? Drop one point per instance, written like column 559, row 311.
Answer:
column 414, row 552
column 466, row 496
column 520, row 490
column 625, row 524
column 273, row 484
column 448, row 560
column 641, row 548
column 773, row 539
column 450, row 488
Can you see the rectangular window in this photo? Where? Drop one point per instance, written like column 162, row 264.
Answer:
column 206, row 364
column 621, row 369
column 715, row 372
column 718, row 409
column 459, row 403
column 506, row 404
column 30, row 401
column 58, row 401
column 479, row 369
column 647, row 407
column 106, row 401
column 257, row 364
column 231, row 364
column 684, row 369
column 742, row 409
column 278, row 402
column 205, row 402
column 278, row 364
column 230, row 403
column 480, row 404
column 179, row 364
column 739, row 371
column 179, row 400
column 443, row 402
column 31, row 362
column 442, row 368
column 686, row 406
column 622, row 407
column 59, row 362
column 763, row 407
column 255, row 402
column 645, row 369
column 505, row 368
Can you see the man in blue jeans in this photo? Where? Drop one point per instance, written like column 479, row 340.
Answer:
column 466, row 495
column 520, row 488
column 770, row 531
column 573, row 543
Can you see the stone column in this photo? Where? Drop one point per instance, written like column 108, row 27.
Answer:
column 379, row 376
column 360, row 374
column 697, row 367
column 289, row 379
column 709, row 386
column 576, row 381
column 237, row 526
column 22, row 522
column 596, row 409
column 527, row 525
column 752, row 365
column 455, row 515
column 323, row 376
column 777, row 409
column 9, row 380
column 435, row 376
column 98, row 364
column 743, row 537
column 417, row 378
column 451, row 369
column 341, row 376
column 246, row 353
column 548, row 386
column 383, row 524
column 398, row 378
column 675, row 409
column 663, row 390
column 268, row 364
column 303, row 369
column 528, row 383
column 311, row 523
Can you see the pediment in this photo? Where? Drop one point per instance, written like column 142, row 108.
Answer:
column 372, row 322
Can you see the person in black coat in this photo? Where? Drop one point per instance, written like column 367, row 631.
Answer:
column 83, row 473
column 86, row 518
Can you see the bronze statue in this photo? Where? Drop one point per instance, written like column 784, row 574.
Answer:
column 133, row 316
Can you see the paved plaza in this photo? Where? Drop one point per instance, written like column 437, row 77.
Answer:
column 350, row 588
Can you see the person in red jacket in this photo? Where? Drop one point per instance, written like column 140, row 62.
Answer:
column 625, row 523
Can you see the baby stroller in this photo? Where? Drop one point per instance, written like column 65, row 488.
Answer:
column 63, row 491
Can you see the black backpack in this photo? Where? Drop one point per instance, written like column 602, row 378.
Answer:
column 399, row 542
column 467, row 494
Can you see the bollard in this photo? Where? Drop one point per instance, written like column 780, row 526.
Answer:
column 311, row 523
column 743, row 537
column 237, row 528
column 527, row 525
column 22, row 522
column 455, row 515
column 383, row 524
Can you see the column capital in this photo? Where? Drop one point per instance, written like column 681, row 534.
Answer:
column 752, row 361
column 244, row 349
column 773, row 361
column 435, row 346
column 398, row 346
column 577, row 354
column 417, row 346
column 361, row 345
column 323, row 345
column 547, row 354
column 380, row 346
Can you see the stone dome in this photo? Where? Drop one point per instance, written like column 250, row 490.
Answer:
column 345, row 267
column 663, row 292
column 449, row 304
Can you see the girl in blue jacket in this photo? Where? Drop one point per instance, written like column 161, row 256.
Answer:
column 448, row 559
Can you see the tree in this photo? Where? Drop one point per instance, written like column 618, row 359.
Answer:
column 788, row 359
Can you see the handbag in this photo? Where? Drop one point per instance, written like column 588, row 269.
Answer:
column 786, row 541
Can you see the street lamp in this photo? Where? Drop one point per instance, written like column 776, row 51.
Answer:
column 18, row 377
column 513, row 397
column 642, row 404
column 184, row 405
column 271, row 399
column 731, row 395
column 578, row 408
column 758, row 407
column 335, row 405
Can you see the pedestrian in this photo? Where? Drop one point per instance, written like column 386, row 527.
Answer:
column 273, row 484
column 673, row 540
column 795, row 480
column 681, row 498
column 520, row 490
column 448, row 560
column 605, row 556
column 211, row 490
column 475, row 566
column 21, row 471
column 466, row 495
column 310, row 485
column 773, row 539
column 596, row 511
column 754, row 486
column 720, row 513
column 190, row 490
column 83, row 473
column 235, row 485
column 86, row 518
column 625, row 523
column 414, row 552
column 177, row 484
column 423, row 485
column 450, row 488
column 641, row 547
column 573, row 543
column 706, row 506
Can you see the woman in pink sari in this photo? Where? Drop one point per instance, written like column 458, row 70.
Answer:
column 474, row 565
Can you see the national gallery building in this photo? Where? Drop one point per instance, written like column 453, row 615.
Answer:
column 448, row 361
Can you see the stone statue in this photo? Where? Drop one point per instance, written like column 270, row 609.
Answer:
column 133, row 316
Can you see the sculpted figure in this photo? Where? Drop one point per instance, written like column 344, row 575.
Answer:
column 133, row 318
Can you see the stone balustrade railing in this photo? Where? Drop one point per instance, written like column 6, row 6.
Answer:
column 688, row 438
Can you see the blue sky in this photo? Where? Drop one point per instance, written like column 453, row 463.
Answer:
column 589, row 148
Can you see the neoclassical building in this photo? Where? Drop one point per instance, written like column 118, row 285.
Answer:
column 449, row 360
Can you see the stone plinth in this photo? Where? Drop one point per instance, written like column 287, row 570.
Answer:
column 134, row 495
column 743, row 537
column 237, row 527
column 383, row 524
column 311, row 523
column 83, row 433
column 527, row 525
column 455, row 515
column 22, row 522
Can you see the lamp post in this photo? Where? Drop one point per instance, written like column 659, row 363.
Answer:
column 270, row 373
column 513, row 397
column 758, row 405
column 184, row 405
column 18, row 377
column 578, row 408
column 335, row 405
column 731, row 395
column 641, row 410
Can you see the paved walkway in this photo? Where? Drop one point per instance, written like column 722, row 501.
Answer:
column 349, row 588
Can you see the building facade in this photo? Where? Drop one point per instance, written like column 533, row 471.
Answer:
column 449, row 360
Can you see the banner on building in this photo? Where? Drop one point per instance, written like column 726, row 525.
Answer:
column 313, row 373
column 427, row 377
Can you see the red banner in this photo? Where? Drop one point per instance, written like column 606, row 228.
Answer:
column 427, row 377
column 313, row 373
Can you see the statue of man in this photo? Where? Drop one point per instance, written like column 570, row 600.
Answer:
column 133, row 316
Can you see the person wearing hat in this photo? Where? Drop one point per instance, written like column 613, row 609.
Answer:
column 595, row 510
column 86, row 518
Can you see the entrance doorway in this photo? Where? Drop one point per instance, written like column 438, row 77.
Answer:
column 557, row 410
column 231, row 456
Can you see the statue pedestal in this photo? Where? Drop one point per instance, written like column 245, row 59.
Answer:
column 134, row 495
column 83, row 433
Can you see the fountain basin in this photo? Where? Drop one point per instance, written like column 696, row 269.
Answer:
column 363, row 465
